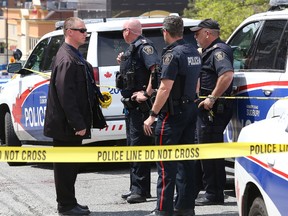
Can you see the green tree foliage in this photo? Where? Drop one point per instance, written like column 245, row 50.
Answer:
column 229, row 13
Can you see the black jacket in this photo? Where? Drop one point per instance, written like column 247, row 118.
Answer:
column 69, row 106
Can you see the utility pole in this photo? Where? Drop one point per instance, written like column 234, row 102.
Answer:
column 6, row 22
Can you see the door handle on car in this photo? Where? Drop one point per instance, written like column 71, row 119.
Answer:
column 267, row 91
column 271, row 162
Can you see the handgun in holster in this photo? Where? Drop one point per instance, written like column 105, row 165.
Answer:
column 128, row 103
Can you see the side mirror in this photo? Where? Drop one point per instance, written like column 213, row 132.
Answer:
column 17, row 54
column 14, row 67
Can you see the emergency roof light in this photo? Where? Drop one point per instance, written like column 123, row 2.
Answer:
column 278, row 2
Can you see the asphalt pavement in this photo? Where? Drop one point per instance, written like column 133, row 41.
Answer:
column 29, row 190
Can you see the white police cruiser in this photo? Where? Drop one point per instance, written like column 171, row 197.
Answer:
column 261, row 70
column 261, row 181
column 23, row 99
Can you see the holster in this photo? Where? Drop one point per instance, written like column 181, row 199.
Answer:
column 128, row 103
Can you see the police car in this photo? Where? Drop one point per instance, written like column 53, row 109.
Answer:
column 261, row 70
column 23, row 99
column 261, row 181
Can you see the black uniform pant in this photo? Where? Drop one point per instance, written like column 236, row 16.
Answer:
column 65, row 175
column 140, row 172
column 210, row 130
column 176, row 129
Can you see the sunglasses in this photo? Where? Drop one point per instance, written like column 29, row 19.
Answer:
column 82, row 30
column 123, row 30
column 162, row 30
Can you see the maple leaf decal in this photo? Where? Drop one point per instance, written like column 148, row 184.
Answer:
column 108, row 74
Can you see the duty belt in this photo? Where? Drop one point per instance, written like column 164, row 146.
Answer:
column 144, row 106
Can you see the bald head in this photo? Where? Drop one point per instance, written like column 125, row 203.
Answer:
column 134, row 25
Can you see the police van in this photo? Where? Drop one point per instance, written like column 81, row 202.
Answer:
column 23, row 99
column 261, row 70
column 261, row 181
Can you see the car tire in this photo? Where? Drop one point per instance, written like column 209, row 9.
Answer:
column 11, row 138
column 258, row 208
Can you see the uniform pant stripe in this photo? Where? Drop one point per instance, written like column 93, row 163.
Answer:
column 162, row 165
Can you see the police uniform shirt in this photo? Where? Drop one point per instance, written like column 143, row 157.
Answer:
column 217, row 59
column 143, row 57
column 181, row 59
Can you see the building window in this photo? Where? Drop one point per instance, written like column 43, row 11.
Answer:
column 32, row 42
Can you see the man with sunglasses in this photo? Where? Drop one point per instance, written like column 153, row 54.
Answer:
column 214, row 113
column 136, row 66
column 69, row 114
column 177, row 114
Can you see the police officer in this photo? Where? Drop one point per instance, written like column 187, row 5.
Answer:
column 136, row 65
column 177, row 114
column 214, row 113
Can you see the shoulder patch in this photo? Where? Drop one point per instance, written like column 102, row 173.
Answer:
column 167, row 58
column 148, row 50
column 219, row 56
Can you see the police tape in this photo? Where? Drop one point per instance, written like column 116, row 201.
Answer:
column 137, row 153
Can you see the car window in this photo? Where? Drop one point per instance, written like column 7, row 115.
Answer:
column 267, row 54
column 110, row 44
column 242, row 44
column 42, row 56
column 261, row 48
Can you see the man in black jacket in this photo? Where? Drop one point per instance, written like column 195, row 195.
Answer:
column 69, row 111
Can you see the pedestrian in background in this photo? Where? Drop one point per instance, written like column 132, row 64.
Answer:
column 214, row 113
column 177, row 114
column 136, row 66
column 70, row 110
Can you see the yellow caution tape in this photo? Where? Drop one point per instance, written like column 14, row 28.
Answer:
column 137, row 153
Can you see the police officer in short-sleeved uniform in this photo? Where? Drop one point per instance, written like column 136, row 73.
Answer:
column 135, row 69
column 215, row 113
column 177, row 114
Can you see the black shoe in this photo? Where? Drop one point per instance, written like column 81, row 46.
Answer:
column 125, row 195
column 204, row 201
column 136, row 198
column 82, row 206
column 76, row 211
column 148, row 196
column 183, row 212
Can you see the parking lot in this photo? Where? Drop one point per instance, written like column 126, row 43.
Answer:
column 29, row 190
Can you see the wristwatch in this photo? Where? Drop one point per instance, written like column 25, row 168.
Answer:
column 212, row 98
column 152, row 113
column 146, row 94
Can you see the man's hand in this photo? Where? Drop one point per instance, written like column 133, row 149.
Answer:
column 81, row 132
column 139, row 96
column 119, row 57
column 147, row 125
column 207, row 104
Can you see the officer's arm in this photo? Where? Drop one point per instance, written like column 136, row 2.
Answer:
column 162, row 94
column 223, row 82
column 161, row 97
column 144, row 95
